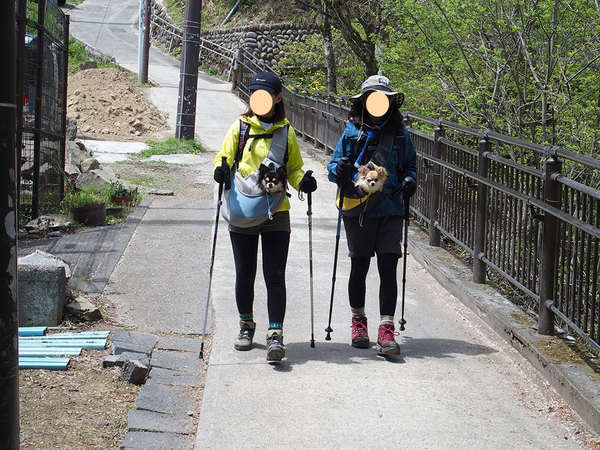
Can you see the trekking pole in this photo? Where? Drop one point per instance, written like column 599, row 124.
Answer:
column 310, row 268
column 335, row 258
column 212, row 260
column 402, row 322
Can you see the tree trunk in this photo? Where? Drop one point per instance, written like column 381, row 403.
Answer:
column 328, row 50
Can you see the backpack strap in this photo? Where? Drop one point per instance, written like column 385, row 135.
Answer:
column 400, row 151
column 244, row 132
column 278, row 151
column 383, row 150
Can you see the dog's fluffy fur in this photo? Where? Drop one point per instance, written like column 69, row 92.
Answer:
column 272, row 181
column 371, row 180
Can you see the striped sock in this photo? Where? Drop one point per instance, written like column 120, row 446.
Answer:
column 358, row 311
column 386, row 319
column 275, row 325
column 247, row 317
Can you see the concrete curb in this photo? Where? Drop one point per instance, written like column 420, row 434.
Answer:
column 112, row 258
column 564, row 369
column 164, row 412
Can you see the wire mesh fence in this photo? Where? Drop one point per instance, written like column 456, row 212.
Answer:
column 42, row 82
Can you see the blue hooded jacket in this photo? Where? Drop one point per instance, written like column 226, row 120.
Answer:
column 387, row 205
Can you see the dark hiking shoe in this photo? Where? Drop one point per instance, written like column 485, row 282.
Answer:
column 244, row 340
column 360, row 335
column 386, row 343
column 275, row 348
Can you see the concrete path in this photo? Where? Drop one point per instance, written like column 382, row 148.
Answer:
column 111, row 28
column 456, row 385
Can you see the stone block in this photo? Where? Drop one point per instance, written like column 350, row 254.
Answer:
column 140, row 420
column 185, row 361
column 166, row 399
column 173, row 377
column 42, row 295
column 111, row 361
column 181, row 344
column 83, row 310
column 149, row 440
column 133, row 341
column 134, row 372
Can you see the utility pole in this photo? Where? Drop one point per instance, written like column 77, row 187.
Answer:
column 145, row 40
column 188, row 78
column 9, row 321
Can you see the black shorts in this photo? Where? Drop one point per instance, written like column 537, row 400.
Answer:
column 369, row 235
column 280, row 222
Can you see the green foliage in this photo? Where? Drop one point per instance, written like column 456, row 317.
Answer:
column 78, row 54
column 529, row 69
column 176, row 9
column 173, row 146
column 118, row 189
column 211, row 71
column 304, row 64
column 89, row 195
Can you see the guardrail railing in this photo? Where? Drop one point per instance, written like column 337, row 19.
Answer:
column 526, row 214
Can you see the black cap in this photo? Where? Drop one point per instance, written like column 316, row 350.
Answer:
column 267, row 81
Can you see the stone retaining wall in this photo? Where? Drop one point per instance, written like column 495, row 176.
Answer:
column 264, row 42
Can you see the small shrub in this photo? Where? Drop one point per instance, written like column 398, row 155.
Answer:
column 89, row 195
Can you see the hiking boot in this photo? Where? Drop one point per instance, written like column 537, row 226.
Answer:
column 275, row 348
column 244, row 340
column 360, row 335
column 386, row 344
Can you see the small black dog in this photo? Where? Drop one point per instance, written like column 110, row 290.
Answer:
column 271, row 180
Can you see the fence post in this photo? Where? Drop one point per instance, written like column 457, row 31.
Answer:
column 481, row 213
column 9, row 320
column 236, row 70
column 549, row 254
column 436, row 182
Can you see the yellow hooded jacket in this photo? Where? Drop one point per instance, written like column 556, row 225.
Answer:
column 256, row 151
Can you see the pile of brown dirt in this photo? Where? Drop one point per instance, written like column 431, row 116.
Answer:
column 108, row 105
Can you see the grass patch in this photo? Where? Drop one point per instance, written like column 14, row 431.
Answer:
column 141, row 180
column 172, row 146
column 79, row 54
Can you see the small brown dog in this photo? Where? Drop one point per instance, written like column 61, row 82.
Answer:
column 371, row 180
column 272, row 181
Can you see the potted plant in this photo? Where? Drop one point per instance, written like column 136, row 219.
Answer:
column 121, row 195
column 86, row 207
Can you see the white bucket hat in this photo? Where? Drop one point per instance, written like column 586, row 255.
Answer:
column 376, row 83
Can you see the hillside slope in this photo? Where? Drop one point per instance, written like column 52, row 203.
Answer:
column 249, row 12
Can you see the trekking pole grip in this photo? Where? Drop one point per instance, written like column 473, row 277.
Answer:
column 223, row 164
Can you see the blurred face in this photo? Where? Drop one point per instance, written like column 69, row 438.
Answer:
column 377, row 103
column 263, row 103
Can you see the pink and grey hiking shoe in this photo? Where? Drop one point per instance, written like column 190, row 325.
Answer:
column 386, row 343
column 360, row 335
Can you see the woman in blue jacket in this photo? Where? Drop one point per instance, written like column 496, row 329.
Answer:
column 378, row 229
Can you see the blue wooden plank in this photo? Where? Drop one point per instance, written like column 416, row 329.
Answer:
column 81, row 335
column 32, row 331
column 96, row 345
column 43, row 363
column 49, row 352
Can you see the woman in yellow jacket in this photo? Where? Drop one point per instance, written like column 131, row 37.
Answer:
column 274, row 232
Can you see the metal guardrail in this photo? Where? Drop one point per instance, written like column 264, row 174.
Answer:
column 511, row 205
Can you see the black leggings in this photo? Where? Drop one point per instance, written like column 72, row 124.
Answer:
column 275, row 251
column 388, row 288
